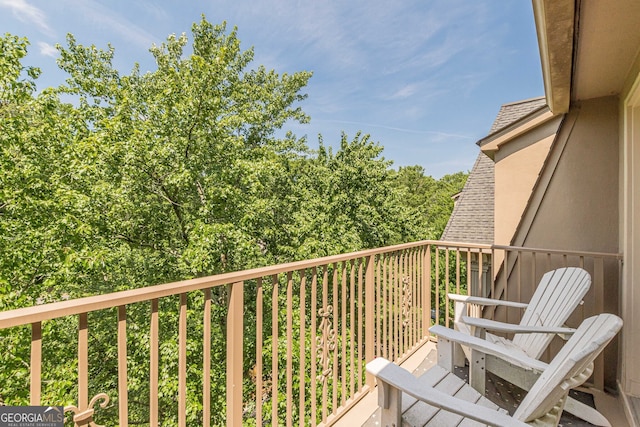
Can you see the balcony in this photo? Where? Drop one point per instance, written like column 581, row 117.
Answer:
column 287, row 344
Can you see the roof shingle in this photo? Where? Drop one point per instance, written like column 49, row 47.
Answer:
column 472, row 219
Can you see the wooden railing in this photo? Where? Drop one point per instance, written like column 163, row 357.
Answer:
column 294, row 337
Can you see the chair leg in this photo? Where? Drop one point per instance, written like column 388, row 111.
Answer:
column 446, row 353
column 458, row 356
column 477, row 371
column 390, row 402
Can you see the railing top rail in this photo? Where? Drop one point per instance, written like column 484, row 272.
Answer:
column 461, row 245
column 24, row 316
column 54, row 310
column 617, row 256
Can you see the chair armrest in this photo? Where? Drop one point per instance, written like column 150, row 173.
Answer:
column 493, row 325
column 485, row 301
column 488, row 347
column 402, row 379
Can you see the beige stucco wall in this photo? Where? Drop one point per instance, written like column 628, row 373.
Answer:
column 579, row 210
column 515, row 176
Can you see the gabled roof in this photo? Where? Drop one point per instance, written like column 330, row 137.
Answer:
column 472, row 219
column 513, row 120
column 514, row 111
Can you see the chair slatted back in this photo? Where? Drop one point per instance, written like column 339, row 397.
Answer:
column 570, row 368
column 558, row 294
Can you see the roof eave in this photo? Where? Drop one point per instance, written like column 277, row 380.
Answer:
column 492, row 143
column 555, row 23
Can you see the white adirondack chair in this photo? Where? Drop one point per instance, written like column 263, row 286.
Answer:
column 439, row 398
column 558, row 294
column 556, row 297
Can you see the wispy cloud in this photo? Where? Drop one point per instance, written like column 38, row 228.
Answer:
column 399, row 129
column 366, row 42
column 150, row 7
column 105, row 17
column 406, row 91
column 47, row 49
column 28, row 14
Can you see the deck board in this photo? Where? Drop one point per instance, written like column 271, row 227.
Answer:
column 502, row 393
column 635, row 409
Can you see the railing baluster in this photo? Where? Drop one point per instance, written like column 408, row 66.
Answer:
column 274, row 351
column 405, row 286
column 493, row 268
column 598, row 278
column 361, row 338
column 334, row 365
column 426, row 310
column 35, row 366
column 385, row 295
column 325, row 303
column 378, row 309
column 153, row 364
column 414, row 294
column 314, row 326
column 480, row 271
column 581, row 307
column 372, row 304
column 302, row 337
column 235, row 357
column 397, row 280
column 470, row 290
column 83, row 361
column 352, row 328
column 457, row 270
column 408, row 321
column 182, row 361
column 289, row 355
column 391, row 307
column 123, row 398
column 420, row 283
column 399, row 304
column 415, row 280
column 403, row 304
column 259, row 343
column 534, row 273
column 206, row 360
column 437, row 274
column 446, row 287
column 518, row 313
column 343, row 328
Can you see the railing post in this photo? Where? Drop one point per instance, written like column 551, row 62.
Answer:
column 36, row 364
column 83, row 361
column 123, row 398
column 234, row 354
column 426, row 292
column 369, row 301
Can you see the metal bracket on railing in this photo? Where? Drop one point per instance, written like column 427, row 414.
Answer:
column 85, row 417
column 407, row 301
column 326, row 343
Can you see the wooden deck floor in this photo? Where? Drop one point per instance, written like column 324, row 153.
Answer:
column 633, row 408
column 502, row 393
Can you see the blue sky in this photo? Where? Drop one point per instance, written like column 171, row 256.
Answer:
column 425, row 78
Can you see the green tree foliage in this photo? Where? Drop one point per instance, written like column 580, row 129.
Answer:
column 430, row 200
column 173, row 174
